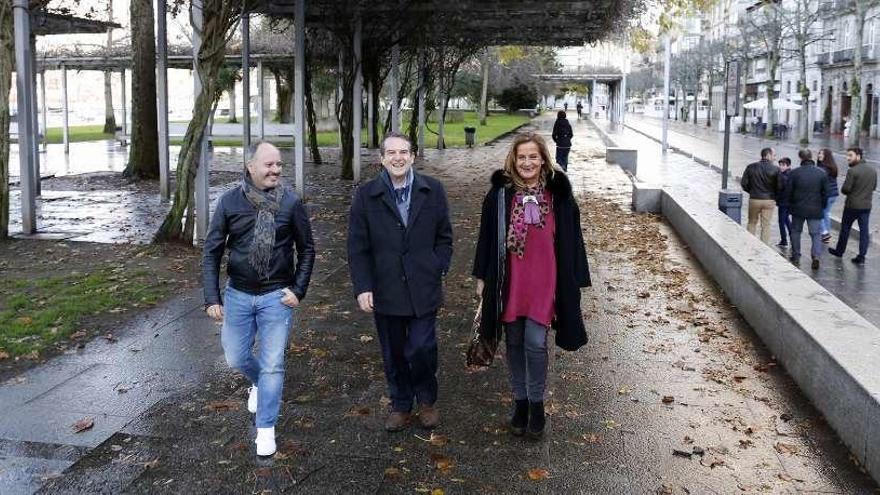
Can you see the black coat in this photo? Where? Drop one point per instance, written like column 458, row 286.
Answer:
column 403, row 266
column 562, row 133
column 572, row 270
column 232, row 226
column 807, row 191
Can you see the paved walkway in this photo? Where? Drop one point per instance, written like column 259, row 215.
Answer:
column 857, row 286
column 674, row 394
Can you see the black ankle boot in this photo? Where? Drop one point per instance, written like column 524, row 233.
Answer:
column 536, row 419
column 520, row 418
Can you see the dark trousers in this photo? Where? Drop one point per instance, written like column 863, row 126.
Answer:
column 409, row 350
column 562, row 157
column 851, row 215
column 784, row 223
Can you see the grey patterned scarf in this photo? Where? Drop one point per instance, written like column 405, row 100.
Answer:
column 267, row 204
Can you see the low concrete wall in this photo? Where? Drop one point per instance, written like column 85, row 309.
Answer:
column 627, row 158
column 646, row 198
column 826, row 347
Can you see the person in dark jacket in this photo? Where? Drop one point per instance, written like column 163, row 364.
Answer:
column 825, row 161
column 807, row 193
column 264, row 225
column 399, row 250
column 580, row 108
column 529, row 271
column 562, row 135
column 859, row 186
column 782, row 201
column 760, row 181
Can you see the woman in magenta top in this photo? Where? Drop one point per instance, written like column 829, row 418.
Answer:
column 530, row 265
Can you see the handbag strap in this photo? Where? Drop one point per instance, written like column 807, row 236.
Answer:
column 502, row 250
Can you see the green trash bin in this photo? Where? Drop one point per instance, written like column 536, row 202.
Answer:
column 470, row 135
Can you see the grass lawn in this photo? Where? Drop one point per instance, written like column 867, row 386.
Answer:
column 78, row 133
column 41, row 306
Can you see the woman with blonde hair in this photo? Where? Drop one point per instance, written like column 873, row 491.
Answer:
column 530, row 265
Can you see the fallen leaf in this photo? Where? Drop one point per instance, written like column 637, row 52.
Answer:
column 592, row 438
column 358, row 411
column 538, row 474
column 110, row 338
column 4, row 355
column 668, row 399
column 78, row 334
column 442, row 463
column 366, row 338
column 223, row 405
column 438, row 440
column 392, row 473
column 786, row 448
column 152, row 464
column 682, row 453
column 83, row 425
column 437, row 491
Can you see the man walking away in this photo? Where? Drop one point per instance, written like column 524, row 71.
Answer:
column 580, row 108
column 760, row 181
column 859, row 186
column 399, row 249
column 562, row 135
column 264, row 224
column 782, row 201
column 806, row 194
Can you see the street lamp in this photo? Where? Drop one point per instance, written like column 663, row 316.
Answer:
column 730, row 201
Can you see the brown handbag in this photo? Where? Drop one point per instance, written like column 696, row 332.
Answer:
column 481, row 351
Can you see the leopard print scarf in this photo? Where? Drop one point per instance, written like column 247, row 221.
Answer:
column 529, row 208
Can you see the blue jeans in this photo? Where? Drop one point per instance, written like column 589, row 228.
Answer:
column 562, row 157
column 797, row 227
column 784, row 223
column 248, row 316
column 826, row 214
column 851, row 215
column 527, row 358
column 409, row 352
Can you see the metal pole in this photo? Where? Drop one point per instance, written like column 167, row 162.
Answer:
column 299, row 27
column 65, row 124
column 666, row 61
column 623, row 99
column 423, row 91
column 357, row 101
column 246, row 84
column 34, row 115
column 22, row 35
column 124, row 104
column 395, row 88
column 202, row 201
column 44, row 110
column 262, row 85
column 725, row 165
column 593, row 100
column 162, row 99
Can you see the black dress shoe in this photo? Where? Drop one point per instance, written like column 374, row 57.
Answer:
column 834, row 252
column 815, row 264
column 859, row 260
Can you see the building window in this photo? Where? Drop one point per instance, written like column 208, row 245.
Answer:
column 815, row 85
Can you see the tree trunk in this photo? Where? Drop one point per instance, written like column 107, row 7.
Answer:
column 374, row 119
column 143, row 158
column 310, row 111
column 484, row 93
column 413, row 130
column 441, row 125
column 233, row 115
column 219, row 18
column 855, row 88
column 709, row 109
column 696, row 106
column 109, row 117
column 7, row 56
column 804, row 116
column 771, row 95
column 285, row 93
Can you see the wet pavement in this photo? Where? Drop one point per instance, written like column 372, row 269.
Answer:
column 857, row 286
column 674, row 394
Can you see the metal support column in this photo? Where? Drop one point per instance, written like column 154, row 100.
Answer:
column 124, row 104
column 202, row 201
column 162, row 99
column 246, row 85
column 262, row 85
column 623, row 99
column 299, row 115
column 357, row 101
column 65, row 123
column 593, row 100
column 395, row 88
column 44, row 111
column 24, row 89
column 664, row 143
column 35, row 117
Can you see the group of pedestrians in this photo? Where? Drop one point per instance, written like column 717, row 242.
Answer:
column 806, row 194
column 530, row 264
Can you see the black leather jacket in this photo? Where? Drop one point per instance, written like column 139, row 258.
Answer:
column 760, row 180
column 232, row 226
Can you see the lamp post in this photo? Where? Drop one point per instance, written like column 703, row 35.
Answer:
column 729, row 201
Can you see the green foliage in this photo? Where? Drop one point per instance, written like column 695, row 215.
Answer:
column 519, row 96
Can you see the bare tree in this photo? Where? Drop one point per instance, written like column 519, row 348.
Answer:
column 7, row 57
column 860, row 9
column 768, row 31
column 109, row 116
column 143, row 157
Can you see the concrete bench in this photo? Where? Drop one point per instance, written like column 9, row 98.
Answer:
column 625, row 157
column 646, row 197
column 830, row 351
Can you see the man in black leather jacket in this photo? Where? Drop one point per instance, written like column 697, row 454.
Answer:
column 760, row 181
column 264, row 225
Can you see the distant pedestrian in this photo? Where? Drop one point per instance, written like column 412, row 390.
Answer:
column 825, row 161
column 806, row 194
column 530, row 271
column 267, row 231
column 760, row 181
column 399, row 250
column 846, row 125
column 782, row 201
column 859, row 186
column 562, row 135
column 580, row 108
column 565, row 106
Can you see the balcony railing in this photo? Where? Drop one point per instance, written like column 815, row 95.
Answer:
column 869, row 53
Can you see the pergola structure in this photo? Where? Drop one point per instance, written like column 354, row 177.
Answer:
column 416, row 22
column 616, row 89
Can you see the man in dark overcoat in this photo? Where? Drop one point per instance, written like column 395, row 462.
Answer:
column 399, row 250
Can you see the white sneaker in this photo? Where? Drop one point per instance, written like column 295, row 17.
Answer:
column 265, row 441
column 252, row 400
